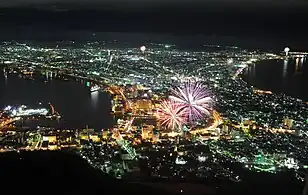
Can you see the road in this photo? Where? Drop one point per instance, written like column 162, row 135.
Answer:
column 272, row 130
column 209, row 129
column 8, row 121
column 217, row 121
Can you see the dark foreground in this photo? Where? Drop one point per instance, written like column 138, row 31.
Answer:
column 59, row 173
column 47, row 172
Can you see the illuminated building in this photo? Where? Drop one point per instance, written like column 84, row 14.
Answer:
column 49, row 142
column 218, row 131
column 147, row 131
column 134, row 91
column 225, row 129
column 247, row 122
column 145, row 105
column 52, row 147
column 95, row 138
column 105, row 134
column 84, row 137
column 288, row 123
column 236, row 135
column 50, row 139
column 181, row 151
column 155, row 138
column 118, row 104
column 264, row 163
column 126, row 146
column 86, row 133
column 180, row 161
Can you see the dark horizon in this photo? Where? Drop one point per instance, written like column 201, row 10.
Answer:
column 269, row 26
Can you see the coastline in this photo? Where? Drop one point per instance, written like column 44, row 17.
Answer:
column 262, row 89
column 57, row 98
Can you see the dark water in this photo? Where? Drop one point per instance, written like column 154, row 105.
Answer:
column 77, row 106
column 280, row 76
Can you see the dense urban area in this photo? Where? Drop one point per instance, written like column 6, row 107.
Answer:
column 179, row 114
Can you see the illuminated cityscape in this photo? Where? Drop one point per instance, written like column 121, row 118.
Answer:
column 182, row 115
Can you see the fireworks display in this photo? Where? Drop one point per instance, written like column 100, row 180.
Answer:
column 194, row 98
column 172, row 115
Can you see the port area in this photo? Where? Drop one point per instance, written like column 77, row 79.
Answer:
column 15, row 134
column 12, row 114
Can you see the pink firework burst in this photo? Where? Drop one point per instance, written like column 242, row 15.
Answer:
column 195, row 99
column 172, row 115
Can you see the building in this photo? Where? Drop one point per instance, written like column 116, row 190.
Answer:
column 225, row 129
column 50, row 142
column 142, row 105
column 147, row 131
column 288, row 123
column 50, row 138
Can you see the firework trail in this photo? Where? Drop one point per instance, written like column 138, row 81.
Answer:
column 194, row 98
column 172, row 115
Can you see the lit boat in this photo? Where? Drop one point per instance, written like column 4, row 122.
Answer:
column 235, row 178
column 95, row 88
column 53, row 116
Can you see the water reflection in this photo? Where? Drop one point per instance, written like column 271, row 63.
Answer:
column 291, row 78
column 299, row 65
column 94, row 98
column 297, row 68
column 49, row 75
column 5, row 76
column 285, row 68
column 251, row 70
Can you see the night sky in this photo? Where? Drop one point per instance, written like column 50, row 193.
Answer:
column 283, row 21
column 260, row 2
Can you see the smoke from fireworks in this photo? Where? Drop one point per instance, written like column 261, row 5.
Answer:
column 171, row 114
column 194, row 98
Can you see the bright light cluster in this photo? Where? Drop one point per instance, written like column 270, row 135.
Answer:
column 188, row 103
column 171, row 114
column 194, row 98
column 23, row 111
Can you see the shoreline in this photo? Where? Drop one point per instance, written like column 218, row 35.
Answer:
column 64, row 124
column 264, row 90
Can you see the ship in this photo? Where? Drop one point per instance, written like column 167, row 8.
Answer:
column 53, row 116
column 95, row 88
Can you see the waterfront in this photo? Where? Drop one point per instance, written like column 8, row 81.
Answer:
column 280, row 76
column 73, row 100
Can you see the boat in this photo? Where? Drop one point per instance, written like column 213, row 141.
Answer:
column 95, row 88
column 235, row 178
column 55, row 116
